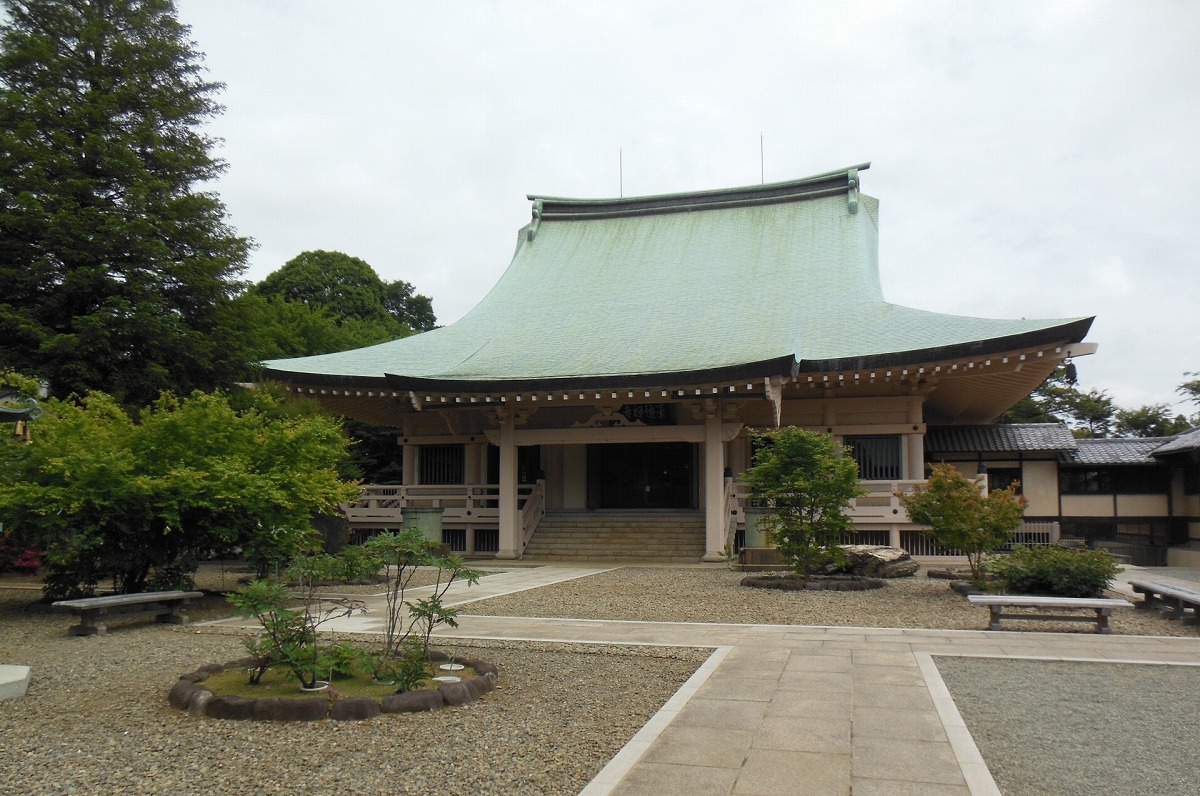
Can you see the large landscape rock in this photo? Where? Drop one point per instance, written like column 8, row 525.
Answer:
column 876, row 561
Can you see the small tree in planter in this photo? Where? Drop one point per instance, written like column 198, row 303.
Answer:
column 806, row 481
column 290, row 635
column 960, row 516
column 402, row 554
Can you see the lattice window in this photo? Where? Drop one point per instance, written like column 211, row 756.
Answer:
column 878, row 458
column 443, row 464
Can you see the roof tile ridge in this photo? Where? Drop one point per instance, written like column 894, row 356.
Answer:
column 816, row 186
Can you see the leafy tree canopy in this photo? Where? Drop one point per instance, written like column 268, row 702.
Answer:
column 807, row 481
column 320, row 302
column 962, row 517
column 117, row 267
column 1190, row 389
column 116, row 497
column 277, row 328
column 1154, row 420
column 349, row 289
column 1093, row 413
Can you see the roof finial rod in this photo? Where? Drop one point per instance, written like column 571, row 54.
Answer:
column 621, row 173
column 852, row 191
column 762, row 172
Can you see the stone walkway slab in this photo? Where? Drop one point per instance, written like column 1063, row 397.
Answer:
column 790, row 709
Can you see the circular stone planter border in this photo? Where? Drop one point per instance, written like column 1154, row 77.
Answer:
column 188, row 694
column 815, row 583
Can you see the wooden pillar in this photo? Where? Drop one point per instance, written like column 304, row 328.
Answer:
column 471, row 454
column 510, row 528
column 410, row 464
column 714, row 489
column 915, row 442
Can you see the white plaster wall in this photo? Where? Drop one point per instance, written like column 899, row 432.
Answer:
column 1039, row 484
column 1142, row 506
column 1087, row 505
column 574, row 475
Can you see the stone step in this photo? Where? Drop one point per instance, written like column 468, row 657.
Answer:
column 632, row 536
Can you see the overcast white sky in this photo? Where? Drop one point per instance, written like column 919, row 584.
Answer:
column 1031, row 159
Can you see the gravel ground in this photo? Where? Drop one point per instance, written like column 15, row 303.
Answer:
column 713, row 595
column 1079, row 729
column 96, row 719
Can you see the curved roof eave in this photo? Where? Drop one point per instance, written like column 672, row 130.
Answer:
column 781, row 366
column 1071, row 332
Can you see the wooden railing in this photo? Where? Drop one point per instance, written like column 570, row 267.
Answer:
column 532, row 511
column 468, row 510
column 733, row 515
column 1030, row 534
column 880, row 506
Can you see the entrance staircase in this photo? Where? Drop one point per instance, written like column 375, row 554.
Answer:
column 619, row 536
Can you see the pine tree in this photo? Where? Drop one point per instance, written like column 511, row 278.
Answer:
column 117, row 269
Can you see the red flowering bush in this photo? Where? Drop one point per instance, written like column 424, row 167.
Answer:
column 28, row 561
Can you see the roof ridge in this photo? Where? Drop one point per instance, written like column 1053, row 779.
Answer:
column 818, row 185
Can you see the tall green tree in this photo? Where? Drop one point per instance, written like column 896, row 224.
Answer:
column 118, row 268
column 1152, row 420
column 322, row 301
column 349, row 289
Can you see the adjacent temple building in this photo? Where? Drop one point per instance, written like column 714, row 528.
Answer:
column 601, row 399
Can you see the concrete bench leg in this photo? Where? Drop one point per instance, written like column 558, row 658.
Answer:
column 178, row 615
column 1102, row 615
column 996, row 610
column 90, row 624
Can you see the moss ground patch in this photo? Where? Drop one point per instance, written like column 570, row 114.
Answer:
column 278, row 684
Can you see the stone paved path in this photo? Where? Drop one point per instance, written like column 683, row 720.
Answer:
column 790, row 709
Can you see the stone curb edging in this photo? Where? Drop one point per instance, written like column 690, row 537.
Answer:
column 815, row 583
column 187, row 694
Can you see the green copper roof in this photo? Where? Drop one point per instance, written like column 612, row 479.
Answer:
column 763, row 280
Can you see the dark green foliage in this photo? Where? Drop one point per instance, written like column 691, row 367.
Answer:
column 1154, row 420
column 277, row 328
column 344, row 286
column 408, row 306
column 322, row 301
column 1055, row 571
column 118, row 270
column 807, row 481
column 375, row 458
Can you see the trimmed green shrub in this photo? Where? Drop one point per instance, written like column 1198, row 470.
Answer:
column 1055, row 571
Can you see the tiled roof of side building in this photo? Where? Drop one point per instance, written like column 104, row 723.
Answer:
column 1135, row 450
column 756, row 281
column 1187, row 441
column 999, row 438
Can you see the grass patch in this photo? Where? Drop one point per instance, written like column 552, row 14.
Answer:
column 277, row 683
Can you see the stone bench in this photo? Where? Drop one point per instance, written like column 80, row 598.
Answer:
column 94, row 612
column 1101, row 608
column 1176, row 598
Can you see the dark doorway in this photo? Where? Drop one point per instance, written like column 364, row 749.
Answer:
column 529, row 464
column 642, row 476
